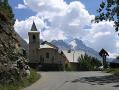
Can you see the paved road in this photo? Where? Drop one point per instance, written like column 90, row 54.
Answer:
column 76, row 81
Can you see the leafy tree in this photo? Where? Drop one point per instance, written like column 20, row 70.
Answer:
column 88, row 63
column 6, row 13
column 117, row 57
column 109, row 11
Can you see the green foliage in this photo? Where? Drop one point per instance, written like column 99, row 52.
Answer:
column 6, row 13
column 23, row 83
column 109, row 11
column 113, row 71
column 88, row 63
column 117, row 57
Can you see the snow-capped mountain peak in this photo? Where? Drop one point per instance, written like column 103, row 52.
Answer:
column 76, row 45
column 73, row 44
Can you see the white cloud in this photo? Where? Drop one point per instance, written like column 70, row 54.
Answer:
column 22, row 27
column 21, row 6
column 102, row 35
column 46, row 8
column 53, row 35
column 68, row 20
column 117, row 44
column 65, row 21
column 112, row 55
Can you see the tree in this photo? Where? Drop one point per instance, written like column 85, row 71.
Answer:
column 117, row 57
column 6, row 13
column 108, row 11
column 88, row 63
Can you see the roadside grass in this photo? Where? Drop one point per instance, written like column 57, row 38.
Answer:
column 23, row 83
column 114, row 71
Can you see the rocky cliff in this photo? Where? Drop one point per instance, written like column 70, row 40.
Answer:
column 10, row 42
column 12, row 54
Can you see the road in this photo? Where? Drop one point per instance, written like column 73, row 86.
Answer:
column 76, row 81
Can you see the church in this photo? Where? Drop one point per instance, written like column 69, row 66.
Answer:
column 44, row 56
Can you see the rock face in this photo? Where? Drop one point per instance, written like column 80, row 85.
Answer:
column 10, row 41
column 23, row 43
column 12, row 56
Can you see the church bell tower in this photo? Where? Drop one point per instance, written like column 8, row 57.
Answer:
column 34, row 44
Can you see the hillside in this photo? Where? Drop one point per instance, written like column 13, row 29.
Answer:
column 12, row 54
column 10, row 42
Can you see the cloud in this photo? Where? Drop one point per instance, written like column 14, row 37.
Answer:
column 46, row 8
column 102, row 35
column 21, row 6
column 65, row 19
column 53, row 34
column 56, row 19
column 22, row 27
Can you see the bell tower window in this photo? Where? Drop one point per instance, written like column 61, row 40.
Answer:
column 34, row 37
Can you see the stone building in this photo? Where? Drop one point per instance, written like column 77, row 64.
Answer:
column 44, row 56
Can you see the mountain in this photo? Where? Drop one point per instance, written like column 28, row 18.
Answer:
column 23, row 43
column 61, row 44
column 76, row 45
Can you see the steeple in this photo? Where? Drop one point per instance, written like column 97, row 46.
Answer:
column 33, row 28
column 34, row 43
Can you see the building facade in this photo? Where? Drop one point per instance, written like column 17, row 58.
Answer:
column 44, row 55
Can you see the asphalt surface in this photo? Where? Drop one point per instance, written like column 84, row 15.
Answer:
column 75, row 81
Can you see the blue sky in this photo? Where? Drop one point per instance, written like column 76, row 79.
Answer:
column 91, row 6
column 64, row 20
column 20, row 14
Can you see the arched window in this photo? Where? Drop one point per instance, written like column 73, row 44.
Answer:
column 34, row 37
column 47, row 55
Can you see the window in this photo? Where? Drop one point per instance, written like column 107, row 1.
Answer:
column 47, row 55
column 34, row 37
column 41, row 59
column 52, row 59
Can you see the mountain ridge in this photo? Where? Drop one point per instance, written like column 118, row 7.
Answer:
column 77, row 45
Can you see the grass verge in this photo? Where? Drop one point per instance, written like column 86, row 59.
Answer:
column 22, row 84
column 113, row 71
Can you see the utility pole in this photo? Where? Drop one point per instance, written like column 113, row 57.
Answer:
column 73, row 55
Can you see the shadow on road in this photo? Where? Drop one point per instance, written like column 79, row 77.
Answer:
column 99, row 80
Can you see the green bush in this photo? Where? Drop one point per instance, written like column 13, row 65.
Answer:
column 113, row 71
column 7, row 13
column 23, row 83
column 87, row 63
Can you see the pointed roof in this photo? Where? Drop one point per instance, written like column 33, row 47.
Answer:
column 103, row 52
column 33, row 28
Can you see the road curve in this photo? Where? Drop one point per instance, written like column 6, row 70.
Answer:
column 75, row 81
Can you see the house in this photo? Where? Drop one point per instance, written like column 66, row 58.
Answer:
column 44, row 56
column 72, row 55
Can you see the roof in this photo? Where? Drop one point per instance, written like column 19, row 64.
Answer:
column 73, row 55
column 46, row 44
column 33, row 28
column 103, row 52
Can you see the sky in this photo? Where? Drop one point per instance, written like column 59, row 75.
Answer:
column 64, row 20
